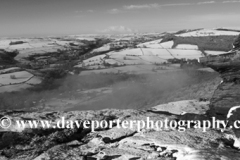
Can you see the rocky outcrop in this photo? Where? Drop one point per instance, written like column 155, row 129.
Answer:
column 227, row 94
column 232, row 116
column 225, row 101
column 110, row 143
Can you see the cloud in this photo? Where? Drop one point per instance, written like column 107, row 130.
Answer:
column 155, row 5
column 175, row 4
column 144, row 6
column 86, row 11
column 207, row 2
column 114, row 11
column 78, row 11
column 90, row 11
column 117, row 29
column 231, row 2
column 214, row 20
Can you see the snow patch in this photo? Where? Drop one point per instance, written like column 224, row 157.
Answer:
column 102, row 49
column 187, row 46
column 214, row 52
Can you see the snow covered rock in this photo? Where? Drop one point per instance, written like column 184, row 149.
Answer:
column 187, row 106
column 232, row 117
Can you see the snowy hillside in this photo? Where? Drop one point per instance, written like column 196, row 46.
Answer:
column 207, row 32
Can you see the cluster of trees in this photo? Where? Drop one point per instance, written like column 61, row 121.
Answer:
column 236, row 43
column 16, row 42
column 7, row 58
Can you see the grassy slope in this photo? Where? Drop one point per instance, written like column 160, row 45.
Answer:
column 214, row 43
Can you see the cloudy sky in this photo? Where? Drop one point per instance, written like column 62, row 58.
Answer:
column 64, row 17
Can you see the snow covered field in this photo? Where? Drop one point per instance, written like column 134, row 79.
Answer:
column 214, row 52
column 33, row 51
column 187, row 46
column 86, row 38
column 35, row 46
column 156, row 44
column 102, row 49
column 10, row 70
column 5, row 43
column 143, row 56
column 17, row 80
column 161, row 53
column 151, row 44
column 129, row 60
column 208, row 32
column 188, row 54
column 132, row 69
